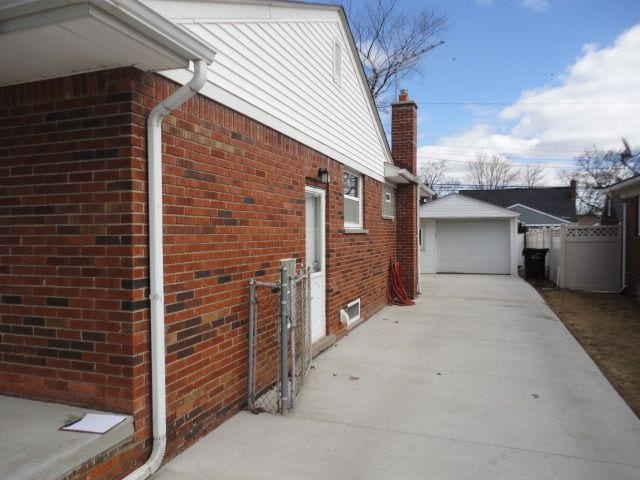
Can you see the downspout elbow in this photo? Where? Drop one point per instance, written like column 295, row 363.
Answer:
column 179, row 96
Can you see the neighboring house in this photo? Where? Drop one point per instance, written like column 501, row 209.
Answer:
column 626, row 196
column 134, row 213
column 459, row 234
column 538, row 207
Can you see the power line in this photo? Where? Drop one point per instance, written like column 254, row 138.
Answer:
column 614, row 102
column 485, row 148
column 544, row 165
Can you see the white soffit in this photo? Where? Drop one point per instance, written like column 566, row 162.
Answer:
column 47, row 39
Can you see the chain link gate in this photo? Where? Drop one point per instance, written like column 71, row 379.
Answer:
column 279, row 340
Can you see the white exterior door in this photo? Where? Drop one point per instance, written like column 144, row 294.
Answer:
column 315, row 254
column 473, row 246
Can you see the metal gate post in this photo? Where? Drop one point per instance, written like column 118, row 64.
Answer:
column 294, row 327
column 307, row 319
column 284, row 349
column 251, row 394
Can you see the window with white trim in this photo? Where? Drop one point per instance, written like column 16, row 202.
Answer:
column 352, row 200
column 388, row 202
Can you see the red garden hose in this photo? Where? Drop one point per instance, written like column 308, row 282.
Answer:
column 396, row 293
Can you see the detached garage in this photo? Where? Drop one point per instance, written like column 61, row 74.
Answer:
column 459, row 234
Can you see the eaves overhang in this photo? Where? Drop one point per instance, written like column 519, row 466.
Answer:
column 42, row 39
column 624, row 189
column 399, row 175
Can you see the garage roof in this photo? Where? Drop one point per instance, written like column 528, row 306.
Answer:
column 459, row 206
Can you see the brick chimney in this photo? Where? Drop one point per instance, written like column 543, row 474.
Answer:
column 573, row 184
column 404, row 137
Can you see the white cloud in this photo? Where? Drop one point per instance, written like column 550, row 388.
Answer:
column 596, row 101
column 535, row 5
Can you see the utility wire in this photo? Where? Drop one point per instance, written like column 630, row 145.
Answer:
column 614, row 102
column 544, row 165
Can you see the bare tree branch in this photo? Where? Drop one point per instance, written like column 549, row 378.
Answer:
column 532, row 175
column 391, row 43
column 595, row 169
column 433, row 172
column 491, row 172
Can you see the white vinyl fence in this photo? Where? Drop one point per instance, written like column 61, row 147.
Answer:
column 581, row 257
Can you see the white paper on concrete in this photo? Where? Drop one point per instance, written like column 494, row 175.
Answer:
column 94, row 423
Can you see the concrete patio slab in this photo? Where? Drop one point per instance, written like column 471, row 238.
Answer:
column 478, row 380
column 32, row 446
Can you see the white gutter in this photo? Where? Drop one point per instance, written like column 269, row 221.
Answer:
column 623, row 282
column 156, row 272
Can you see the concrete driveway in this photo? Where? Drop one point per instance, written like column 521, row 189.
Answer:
column 479, row 380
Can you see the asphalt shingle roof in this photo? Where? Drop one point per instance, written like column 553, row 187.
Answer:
column 555, row 201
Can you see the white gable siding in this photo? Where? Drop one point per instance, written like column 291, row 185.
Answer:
column 276, row 65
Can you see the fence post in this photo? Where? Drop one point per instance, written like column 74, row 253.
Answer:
column 307, row 319
column 251, row 394
column 284, row 349
column 293, row 320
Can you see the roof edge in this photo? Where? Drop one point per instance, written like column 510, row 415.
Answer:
column 23, row 14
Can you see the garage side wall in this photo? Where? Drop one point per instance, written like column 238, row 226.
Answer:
column 428, row 251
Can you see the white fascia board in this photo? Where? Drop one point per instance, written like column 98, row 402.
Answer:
column 561, row 220
column 131, row 17
column 396, row 175
column 626, row 188
column 232, row 101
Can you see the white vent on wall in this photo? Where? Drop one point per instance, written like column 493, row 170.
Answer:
column 351, row 313
column 337, row 62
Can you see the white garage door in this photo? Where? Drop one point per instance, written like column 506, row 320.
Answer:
column 473, row 246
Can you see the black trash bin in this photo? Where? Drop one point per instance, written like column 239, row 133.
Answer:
column 534, row 262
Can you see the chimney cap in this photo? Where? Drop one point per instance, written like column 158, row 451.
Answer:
column 404, row 95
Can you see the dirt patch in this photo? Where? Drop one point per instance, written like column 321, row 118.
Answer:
column 608, row 328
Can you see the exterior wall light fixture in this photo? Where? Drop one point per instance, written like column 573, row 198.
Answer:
column 323, row 175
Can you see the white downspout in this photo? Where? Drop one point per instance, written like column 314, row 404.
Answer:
column 156, row 272
column 623, row 282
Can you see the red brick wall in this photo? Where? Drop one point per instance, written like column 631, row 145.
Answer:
column 234, row 207
column 404, row 120
column 72, row 237
column 633, row 249
column 407, row 236
column 74, row 228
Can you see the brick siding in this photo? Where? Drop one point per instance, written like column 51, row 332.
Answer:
column 404, row 120
column 73, row 232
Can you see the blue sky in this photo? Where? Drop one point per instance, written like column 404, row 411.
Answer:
column 546, row 79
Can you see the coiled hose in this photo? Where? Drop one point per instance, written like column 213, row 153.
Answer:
column 396, row 294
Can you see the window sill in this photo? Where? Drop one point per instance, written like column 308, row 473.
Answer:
column 355, row 231
column 389, row 217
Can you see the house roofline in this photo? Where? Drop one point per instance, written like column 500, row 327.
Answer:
column 563, row 220
column 630, row 186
